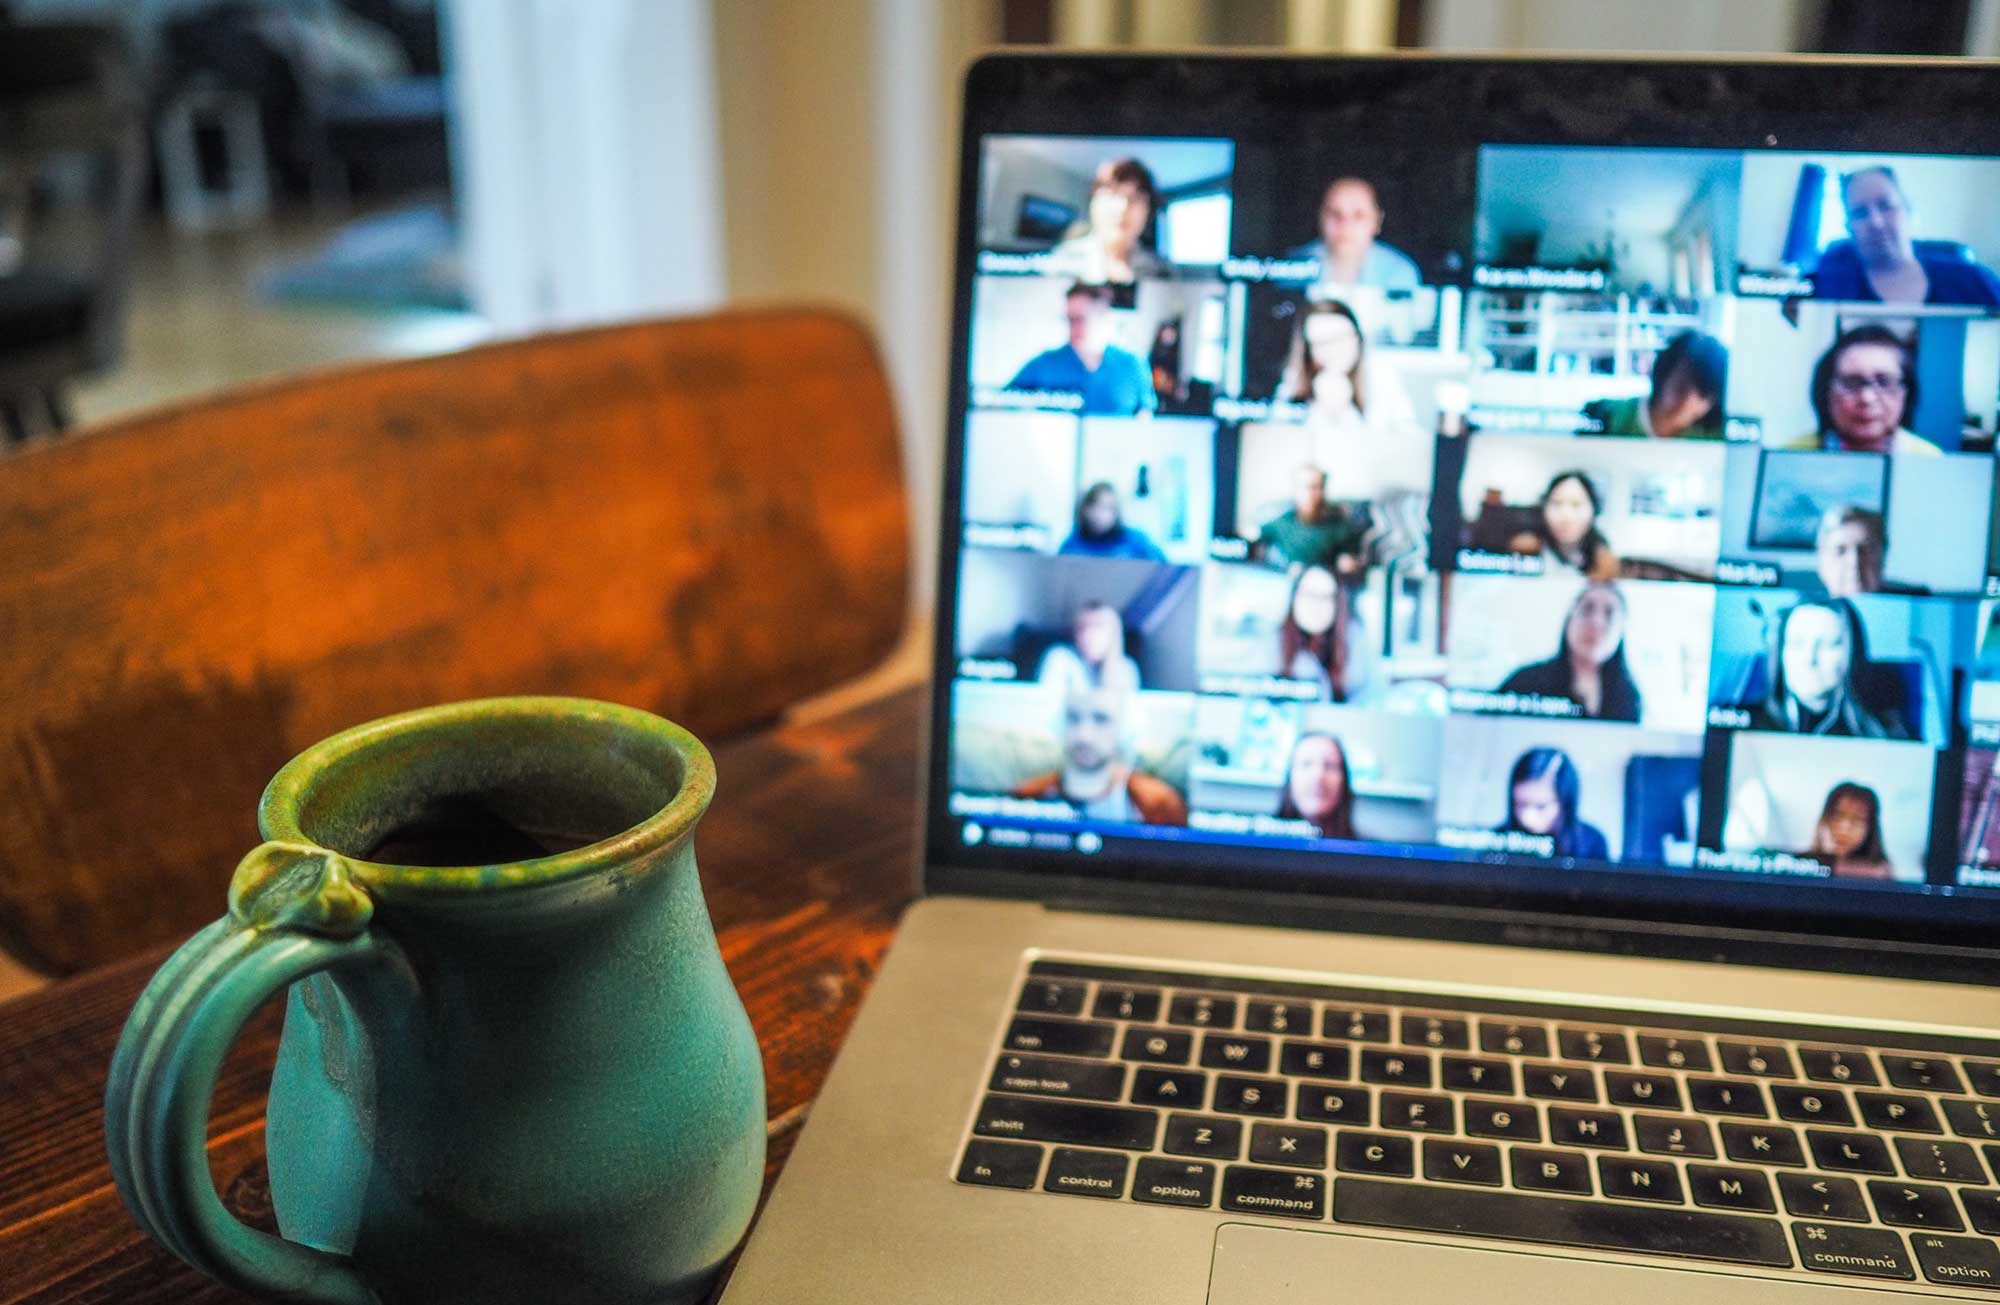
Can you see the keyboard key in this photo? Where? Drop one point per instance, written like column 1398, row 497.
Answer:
column 1157, row 1046
column 1040, row 1120
column 1914, row 1205
column 1639, row 1180
column 1838, row 1065
column 1374, row 1153
column 1850, row 1153
column 1559, row 1082
column 1762, row 1144
column 1400, row 1068
column 1086, row 1173
column 1817, row 1196
column 1973, row 1119
column 1059, row 1037
column 1046, row 1076
column 1729, row 1189
column 1418, row 1114
column 1856, row 1252
column 1808, row 1105
column 1000, row 1164
column 1762, row 1059
column 1594, row 1225
column 1202, row 1011
column 1647, row 1091
column 1921, row 1073
column 1203, row 1135
column 1502, row 1038
column 1600, row 1128
column 1051, row 997
column 1958, row 1261
column 1666, row 1052
column 1279, row 1017
column 1250, row 1096
column 1984, row 1209
column 1549, row 1171
column 1897, row 1114
column 1673, row 1135
column 1726, row 1096
column 1491, row 1076
column 1274, row 1191
column 1594, row 1046
column 1184, row 1089
column 1249, row 1055
column 1438, row 1032
column 1297, row 1145
column 1515, row 1120
column 1141, row 1005
column 1984, row 1077
column 1355, row 1025
column 1462, row 1162
column 1940, row 1162
column 1174, row 1182
column 1316, row 1059
column 1335, row 1105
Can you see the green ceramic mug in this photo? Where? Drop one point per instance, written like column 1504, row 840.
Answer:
column 513, row 1069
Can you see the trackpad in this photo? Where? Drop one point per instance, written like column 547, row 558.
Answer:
column 1258, row 1265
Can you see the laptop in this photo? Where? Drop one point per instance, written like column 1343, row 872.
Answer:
column 1463, row 755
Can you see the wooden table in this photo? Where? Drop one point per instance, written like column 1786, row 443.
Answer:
column 807, row 860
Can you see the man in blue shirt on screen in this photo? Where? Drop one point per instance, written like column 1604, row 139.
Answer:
column 1110, row 381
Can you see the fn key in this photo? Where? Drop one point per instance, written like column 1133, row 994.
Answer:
column 1000, row 1164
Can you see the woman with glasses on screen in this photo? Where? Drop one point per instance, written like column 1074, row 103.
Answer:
column 1848, row 836
column 1589, row 666
column 1823, row 681
column 1318, row 787
column 1881, row 260
column 1543, row 792
column 1113, row 245
column 1358, row 417
column 1864, row 392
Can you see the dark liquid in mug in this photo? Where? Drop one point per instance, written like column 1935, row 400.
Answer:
column 469, row 832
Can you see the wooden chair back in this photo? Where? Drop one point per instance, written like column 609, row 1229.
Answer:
column 705, row 518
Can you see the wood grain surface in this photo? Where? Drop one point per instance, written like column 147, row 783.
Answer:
column 705, row 518
column 807, row 858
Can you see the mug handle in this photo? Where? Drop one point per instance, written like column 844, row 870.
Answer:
column 294, row 910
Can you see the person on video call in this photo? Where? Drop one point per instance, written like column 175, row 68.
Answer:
column 1686, row 400
column 1101, row 532
column 1881, row 263
column 1822, row 681
column 1313, row 531
column 1318, row 787
column 1356, row 414
column 1543, row 791
column 1350, row 249
column 1315, row 640
column 1097, row 776
column 1095, row 657
column 1848, row 551
column 1111, row 381
column 1848, row 836
column 1565, row 535
column 1114, row 242
column 1589, row 666
column 1864, row 393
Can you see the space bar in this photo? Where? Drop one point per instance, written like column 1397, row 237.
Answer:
column 1691, row 1234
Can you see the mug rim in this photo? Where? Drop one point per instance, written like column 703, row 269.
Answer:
column 284, row 798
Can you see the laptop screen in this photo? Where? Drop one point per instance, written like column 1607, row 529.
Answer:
column 1567, row 511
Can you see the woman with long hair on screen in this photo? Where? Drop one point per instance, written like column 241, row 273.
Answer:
column 1358, row 417
column 1565, row 534
column 1543, row 791
column 1318, row 786
column 1864, row 395
column 1113, row 243
column 1848, row 836
column 1100, row 529
column 1822, row 680
column 1589, row 667
column 1312, row 639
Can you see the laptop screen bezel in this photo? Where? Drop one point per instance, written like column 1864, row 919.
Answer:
column 1796, row 103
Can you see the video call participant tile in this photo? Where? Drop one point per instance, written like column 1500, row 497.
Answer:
column 1978, row 860
column 1632, row 651
column 1290, row 770
column 1569, row 790
column 1834, row 808
column 1284, row 471
column 1104, row 487
column 1108, row 622
column 1070, row 753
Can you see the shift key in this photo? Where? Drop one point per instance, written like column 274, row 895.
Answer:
column 1067, row 1121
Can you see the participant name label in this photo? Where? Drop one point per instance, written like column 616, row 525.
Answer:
column 1773, row 285
column 1262, row 826
column 1513, row 704
column 1514, row 841
column 1760, row 863
column 1538, row 278
column 969, row 804
column 1478, row 559
column 987, row 668
column 992, row 396
column 1032, row 538
column 1730, row 571
column 1271, row 269
column 1263, row 686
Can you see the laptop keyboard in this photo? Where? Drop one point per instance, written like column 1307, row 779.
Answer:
column 1822, row 1151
